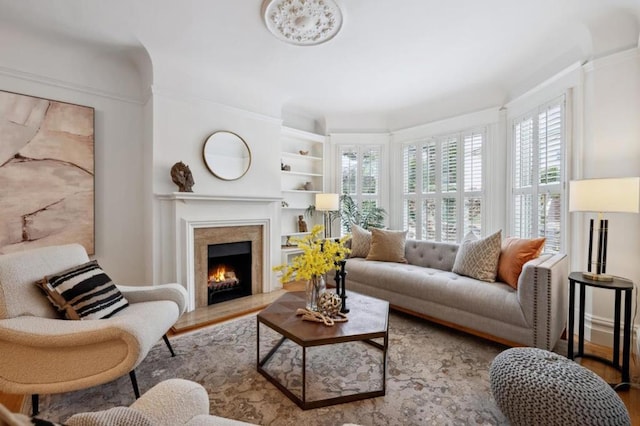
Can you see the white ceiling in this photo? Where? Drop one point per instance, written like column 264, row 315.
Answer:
column 400, row 61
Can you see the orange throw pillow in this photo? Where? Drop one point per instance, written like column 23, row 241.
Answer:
column 514, row 254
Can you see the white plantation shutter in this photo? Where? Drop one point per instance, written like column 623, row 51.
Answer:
column 360, row 174
column 449, row 149
column 538, row 165
column 473, row 172
column 429, row 167
column 409, row 173
column 443, row 186
column 349, row 167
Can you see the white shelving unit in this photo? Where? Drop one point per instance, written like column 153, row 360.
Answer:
column 300, row 183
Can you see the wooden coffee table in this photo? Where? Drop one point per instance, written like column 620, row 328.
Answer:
column 368, row 319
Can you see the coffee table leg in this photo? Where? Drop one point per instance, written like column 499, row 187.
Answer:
column 304, row 375
column 384, row 363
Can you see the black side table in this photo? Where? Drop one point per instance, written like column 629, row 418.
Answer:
column 618, row 285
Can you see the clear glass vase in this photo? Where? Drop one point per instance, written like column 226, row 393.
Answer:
column 314, row 288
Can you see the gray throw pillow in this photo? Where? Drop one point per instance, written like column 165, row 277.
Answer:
column 479, row 259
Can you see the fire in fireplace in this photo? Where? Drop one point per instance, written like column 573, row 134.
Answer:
column 229, row 271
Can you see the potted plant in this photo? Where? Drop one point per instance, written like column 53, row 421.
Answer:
column 367, row 217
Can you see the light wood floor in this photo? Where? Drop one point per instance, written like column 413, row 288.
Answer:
column 228, row 310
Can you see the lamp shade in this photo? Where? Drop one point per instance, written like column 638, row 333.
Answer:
column 620, row 195
column 327, row 202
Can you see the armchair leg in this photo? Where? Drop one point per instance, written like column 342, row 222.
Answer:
column 134, row 382
column 166, row 340
column 34, row 404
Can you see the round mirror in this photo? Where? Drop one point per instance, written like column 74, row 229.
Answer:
column 226, row 155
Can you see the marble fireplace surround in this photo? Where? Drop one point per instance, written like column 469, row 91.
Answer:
column 206, row 235
column 187, row 220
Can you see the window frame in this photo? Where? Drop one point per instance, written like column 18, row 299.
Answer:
column 536, row 189
column 420, row 196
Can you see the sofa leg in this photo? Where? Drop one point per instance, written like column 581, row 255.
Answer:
column 134, row 382
column 166, row 340
column 34, row 404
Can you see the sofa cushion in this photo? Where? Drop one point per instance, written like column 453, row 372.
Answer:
column 360, row 241
column 479, row 259
column 514, row 254
column 444, row 288
column 387, row 246
column 83, row 292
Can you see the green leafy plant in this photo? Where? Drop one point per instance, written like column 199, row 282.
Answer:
column 369, row 216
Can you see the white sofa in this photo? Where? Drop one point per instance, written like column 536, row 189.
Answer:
column 533, row 315
column 43, row 354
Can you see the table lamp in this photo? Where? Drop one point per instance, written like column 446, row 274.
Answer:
column 326, row 203
column 608, row 195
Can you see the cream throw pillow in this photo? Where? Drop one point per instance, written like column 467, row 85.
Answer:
column 479, row 259
column 387, row 246
column 360, row 241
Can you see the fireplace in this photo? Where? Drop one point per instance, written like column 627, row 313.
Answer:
column 229, row 271
column 228, row 263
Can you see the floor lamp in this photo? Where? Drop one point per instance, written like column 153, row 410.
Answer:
column 327, row 203
column 612, row 195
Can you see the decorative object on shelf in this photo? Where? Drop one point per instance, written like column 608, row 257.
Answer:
column 318, row 257
column 302, row 22
column 302, row 225
column 327, row 203
column 308, row 186
column 314, row 289
column 181, row 176
column 284, row 203
column 341, row 282
column 226, row 155
column 314, row 316
column 302, row 152
column 620, row 195
column 285, row 167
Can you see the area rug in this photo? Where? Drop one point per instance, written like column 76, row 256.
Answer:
column 435, row 376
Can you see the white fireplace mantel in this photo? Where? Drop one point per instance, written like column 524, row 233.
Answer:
column 179, row 213
column 193, row 196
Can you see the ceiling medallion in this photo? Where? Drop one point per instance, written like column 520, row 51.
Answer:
column 302, row 22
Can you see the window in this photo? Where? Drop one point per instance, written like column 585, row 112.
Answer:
column 360, row 174
column 443, row 186
column 538, row 165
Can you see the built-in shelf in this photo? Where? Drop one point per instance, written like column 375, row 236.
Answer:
column 300, row 156
column 303, row 171
column 284, row 172
column 301, row 191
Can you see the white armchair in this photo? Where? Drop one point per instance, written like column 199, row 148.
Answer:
column 44, row 354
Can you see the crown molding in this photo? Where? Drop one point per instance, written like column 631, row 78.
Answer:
column 62, row 84
column 190, row 97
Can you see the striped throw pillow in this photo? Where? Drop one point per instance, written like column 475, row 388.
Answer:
column 83, row 292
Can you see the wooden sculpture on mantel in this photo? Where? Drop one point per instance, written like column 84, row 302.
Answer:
column 181, row 176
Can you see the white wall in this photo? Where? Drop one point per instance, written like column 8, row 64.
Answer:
column 181, row 124
column 74, row 73
column 612, row 149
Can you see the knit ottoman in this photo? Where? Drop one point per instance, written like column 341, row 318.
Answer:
column 537, row 387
